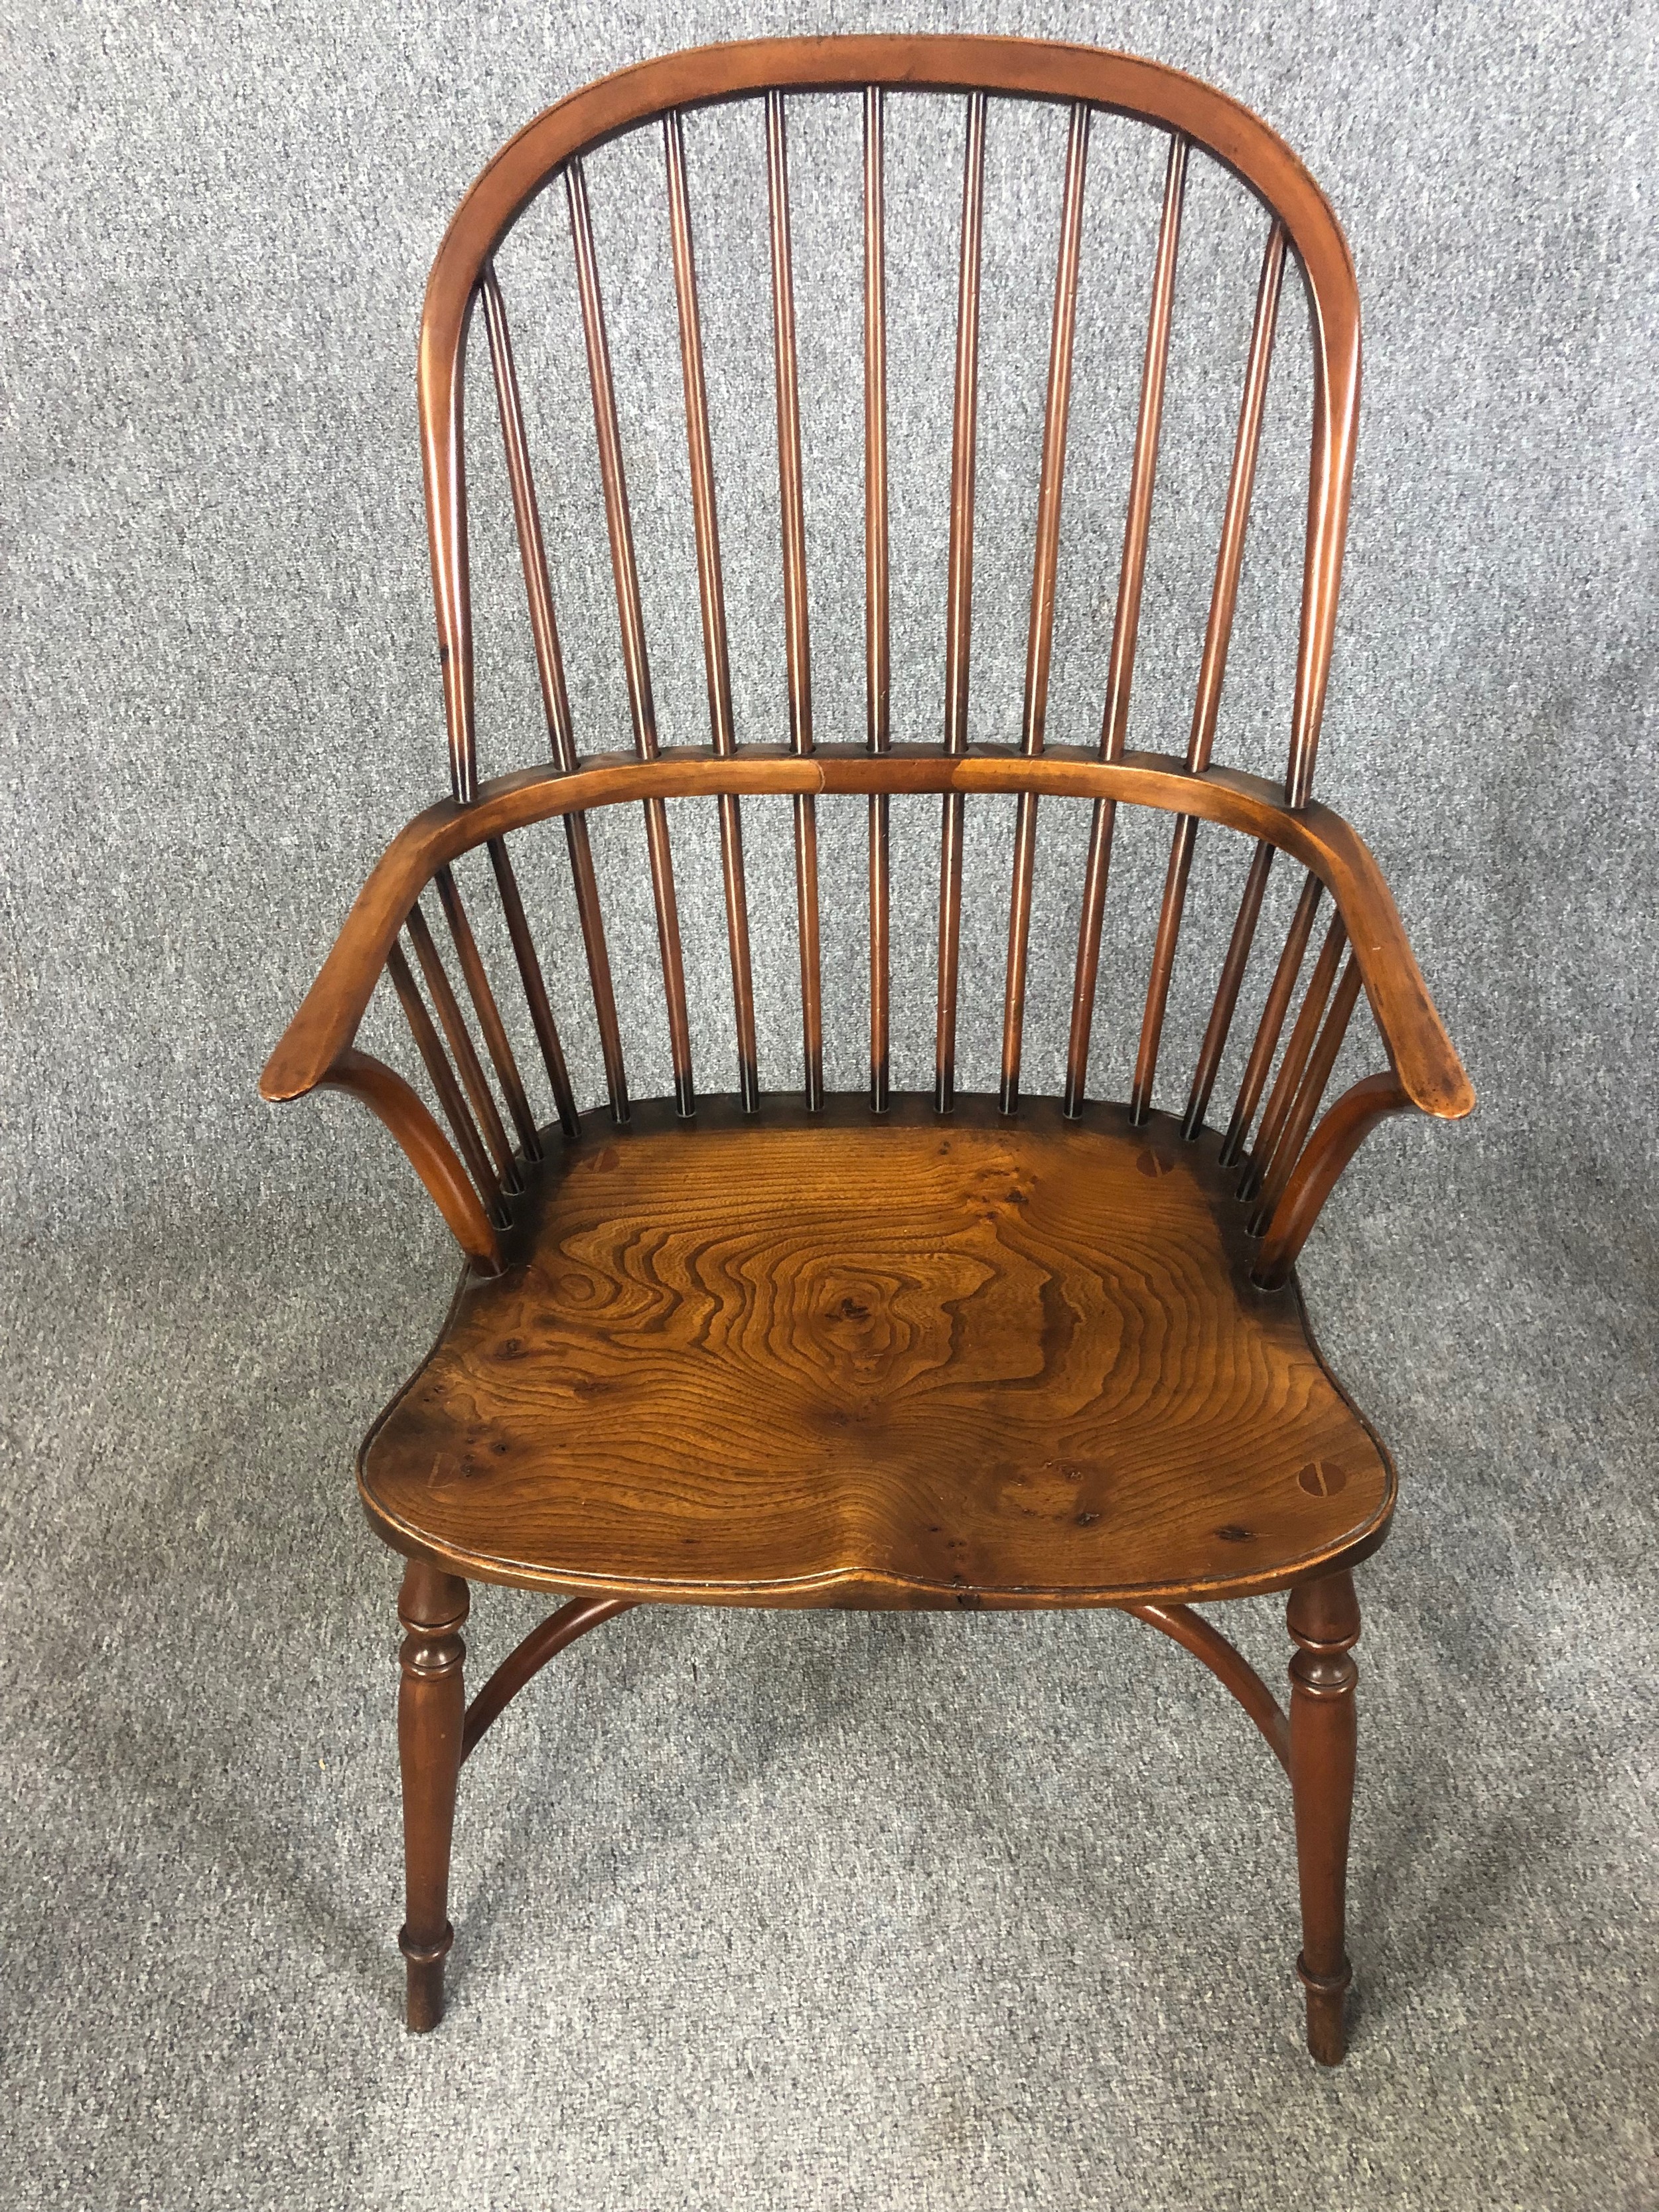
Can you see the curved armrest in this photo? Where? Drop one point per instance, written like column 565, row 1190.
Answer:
column 428, row 1153
column 1346, row 1127
column 1430, row 1075
column 1422, row 1055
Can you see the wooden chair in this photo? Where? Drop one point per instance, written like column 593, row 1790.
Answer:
column 878, row 1350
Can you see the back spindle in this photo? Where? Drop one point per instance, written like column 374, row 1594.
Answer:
column 1293, row 1134
column 555, row 703
column 1040, row 635
column 535, row 988
column 1226, row 995
column 1223, row 598
column 1336, row 383
column 463, row 1050
column 488, row 1013
column 797, row 639
column 877, row 660
column 1125, row 625
column 635, row 662
column 448, row 1091
column 711, row 592
column 1283, row 1094
column 959, row 602
column 1182, row 845
column 1241, row 486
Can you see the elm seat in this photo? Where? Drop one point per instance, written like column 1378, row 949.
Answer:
column 951, row 1352
column 879, row 1360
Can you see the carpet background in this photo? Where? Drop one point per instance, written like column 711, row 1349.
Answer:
column 784, row 1909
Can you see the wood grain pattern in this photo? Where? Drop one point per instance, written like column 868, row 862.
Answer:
column 925, row 1364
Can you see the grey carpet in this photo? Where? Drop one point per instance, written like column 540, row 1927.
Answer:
column 790, row 1910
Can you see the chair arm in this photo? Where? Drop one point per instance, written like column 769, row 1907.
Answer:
column 1333, row 1145
column 328, row 1016
column 398, row 1108
column 318, row 1046
column 317, row 1050
column 1430, row 1075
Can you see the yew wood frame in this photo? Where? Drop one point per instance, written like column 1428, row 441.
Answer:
column 1297, row 1158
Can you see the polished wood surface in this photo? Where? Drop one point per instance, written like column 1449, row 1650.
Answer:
column 432, row 1610
column 1040, row 633
column 1412, row 1031
column 711, row 593
column 966, row 1364
column 1324, row 1624
column 947, row 1352
column 1036, row 69
column 877, row 578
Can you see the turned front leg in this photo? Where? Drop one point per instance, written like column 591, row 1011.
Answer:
column 1324, row 1623
column 432, row 1606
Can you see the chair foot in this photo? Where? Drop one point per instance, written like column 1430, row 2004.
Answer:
column 1323, row 1618
column 424, row 1968
column 431, row 1711
column 1326, row 2038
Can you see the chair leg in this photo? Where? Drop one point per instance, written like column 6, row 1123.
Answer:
column 1324, row 1623
column 431, row 1709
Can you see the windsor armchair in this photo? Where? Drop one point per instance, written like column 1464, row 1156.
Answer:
column 881, row 1350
